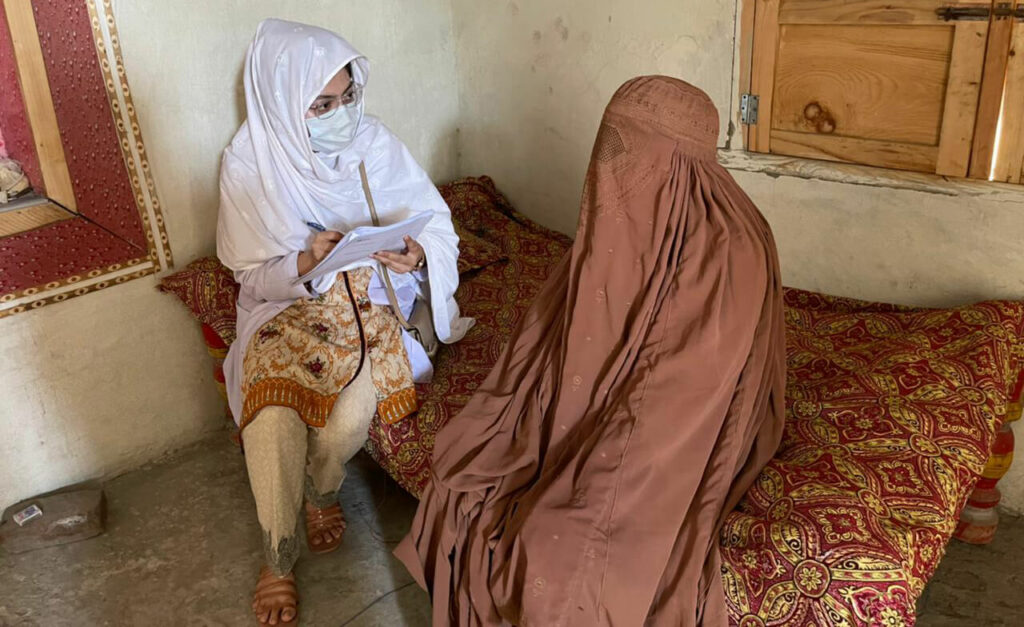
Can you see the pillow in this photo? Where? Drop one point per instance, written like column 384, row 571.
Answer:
column 474, row 252
column 209, row 290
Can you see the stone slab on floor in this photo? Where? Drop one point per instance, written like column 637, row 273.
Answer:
column 67, row 516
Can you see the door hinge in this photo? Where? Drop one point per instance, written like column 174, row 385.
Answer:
column 748, row 109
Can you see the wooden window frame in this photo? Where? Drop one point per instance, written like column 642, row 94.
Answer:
column 42, row 118
column 977, row 102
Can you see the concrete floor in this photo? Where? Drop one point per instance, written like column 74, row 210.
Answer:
column 182, row 548
column 979, row 585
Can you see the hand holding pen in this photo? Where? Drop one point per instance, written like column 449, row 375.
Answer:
column 412, row 258
column 323, row 242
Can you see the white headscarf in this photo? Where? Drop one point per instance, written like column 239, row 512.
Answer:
column 273, row 184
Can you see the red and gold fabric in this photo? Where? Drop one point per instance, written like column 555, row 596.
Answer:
column 209, row 290
column 891, row 415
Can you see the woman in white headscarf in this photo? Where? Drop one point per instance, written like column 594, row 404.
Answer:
column 314, row 362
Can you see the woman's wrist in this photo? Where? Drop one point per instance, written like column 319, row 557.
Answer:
column 305, row 262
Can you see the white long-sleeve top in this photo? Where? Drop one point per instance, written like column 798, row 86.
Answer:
column 273, row 185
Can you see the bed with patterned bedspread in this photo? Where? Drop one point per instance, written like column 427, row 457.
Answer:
column 891, row 413
column 890, row 417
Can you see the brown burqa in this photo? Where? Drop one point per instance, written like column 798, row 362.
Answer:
column 586, row 481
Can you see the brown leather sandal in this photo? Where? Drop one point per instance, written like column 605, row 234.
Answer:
column 320, row 522
column 275, row 599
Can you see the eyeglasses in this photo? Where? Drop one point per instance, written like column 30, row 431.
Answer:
column 324, row 108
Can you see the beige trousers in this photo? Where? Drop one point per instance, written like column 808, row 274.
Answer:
column 287, row 460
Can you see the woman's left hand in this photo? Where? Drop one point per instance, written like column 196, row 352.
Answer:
column 405, row 261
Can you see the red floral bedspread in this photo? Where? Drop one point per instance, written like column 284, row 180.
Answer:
column 891, row 413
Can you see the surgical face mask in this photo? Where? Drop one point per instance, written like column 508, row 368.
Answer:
column 334, row 131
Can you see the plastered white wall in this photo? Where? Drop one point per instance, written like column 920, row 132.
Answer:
column 536, row 76
column 108, row 381
column 892, row 245
column 99, row 384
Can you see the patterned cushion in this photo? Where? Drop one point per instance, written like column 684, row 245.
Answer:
column 209, row 290
column 475, row 253
column 891, row 414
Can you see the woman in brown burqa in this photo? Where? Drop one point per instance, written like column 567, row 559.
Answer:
column 586, row 481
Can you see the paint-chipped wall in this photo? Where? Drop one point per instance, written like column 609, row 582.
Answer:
column 109, row 381
column 535, row 77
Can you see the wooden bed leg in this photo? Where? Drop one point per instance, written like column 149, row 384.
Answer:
column 979, row 519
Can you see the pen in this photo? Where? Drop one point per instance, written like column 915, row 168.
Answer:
column 316, row 227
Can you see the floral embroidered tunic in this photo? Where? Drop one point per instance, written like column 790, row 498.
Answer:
column 306, row 355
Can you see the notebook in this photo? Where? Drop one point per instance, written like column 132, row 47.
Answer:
column 357, row 245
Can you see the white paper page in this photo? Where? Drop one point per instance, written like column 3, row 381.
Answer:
column 358, row 244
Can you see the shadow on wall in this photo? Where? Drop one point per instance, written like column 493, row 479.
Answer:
column 445, row 155
column 540, row 171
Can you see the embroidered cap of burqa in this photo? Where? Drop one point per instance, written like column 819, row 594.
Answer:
column 586, row 481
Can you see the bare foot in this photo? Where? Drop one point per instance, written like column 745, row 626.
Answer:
column 276, row 599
